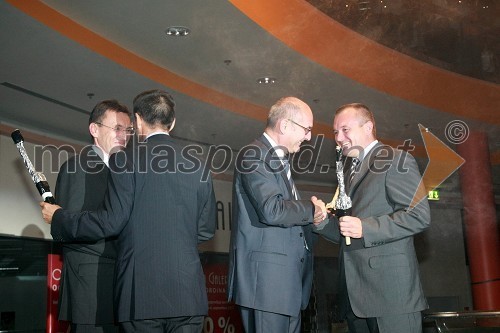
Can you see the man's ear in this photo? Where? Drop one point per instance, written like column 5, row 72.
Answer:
column 282, row 124
column 138, row 122
column 172, row 126
column 368, row 127
column 93, row 129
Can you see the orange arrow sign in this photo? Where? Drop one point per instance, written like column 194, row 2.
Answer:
column 443, row 162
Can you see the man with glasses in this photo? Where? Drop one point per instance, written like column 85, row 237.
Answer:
column 86, row 293
column 160, row 211
column 270, row 259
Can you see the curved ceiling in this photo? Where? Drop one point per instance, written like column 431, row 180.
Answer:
column 459, row 36
column 325, row 41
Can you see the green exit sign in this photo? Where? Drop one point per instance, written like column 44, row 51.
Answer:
column 433, row 195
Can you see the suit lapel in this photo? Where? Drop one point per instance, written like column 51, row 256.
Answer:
column 364, row 168
column 274, row 163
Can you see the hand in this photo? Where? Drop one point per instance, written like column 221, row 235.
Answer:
column 351, row 226
column 48, row 211
column 320, row 212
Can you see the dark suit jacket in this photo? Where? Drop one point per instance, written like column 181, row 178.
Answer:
column 381, row 269
column 86, row 291
column 269, row 267
column 160, row 209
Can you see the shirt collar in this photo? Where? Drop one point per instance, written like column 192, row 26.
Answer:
column 155, row 133
column 367, row 150
column 279, row 151
column 102, row 154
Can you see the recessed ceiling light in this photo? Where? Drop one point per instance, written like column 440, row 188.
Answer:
column 266, row 80
column 177, row 31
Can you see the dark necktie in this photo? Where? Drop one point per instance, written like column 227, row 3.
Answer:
column 286, row 164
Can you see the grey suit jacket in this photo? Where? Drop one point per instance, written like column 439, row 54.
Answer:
column 269, row 267
column 86, row 291
column 381, row 269
column 160, row 208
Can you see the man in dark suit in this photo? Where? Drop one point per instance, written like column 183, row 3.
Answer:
column 270, row 259
column 159, row 205
column 379, row 288
column 86, row 292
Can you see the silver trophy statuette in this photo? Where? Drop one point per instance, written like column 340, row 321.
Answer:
column 343, row 204
column 38, row 178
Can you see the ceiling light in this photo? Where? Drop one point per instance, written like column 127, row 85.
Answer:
column 266, row 80
column 177, row 31
column 363, row 5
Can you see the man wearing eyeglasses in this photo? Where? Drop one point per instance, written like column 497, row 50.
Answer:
column 160, row 211
column 86, row 293
column 270, row 258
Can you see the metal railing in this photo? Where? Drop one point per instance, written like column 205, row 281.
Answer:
column 464, row 322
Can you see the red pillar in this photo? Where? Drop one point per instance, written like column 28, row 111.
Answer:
column 483, row 245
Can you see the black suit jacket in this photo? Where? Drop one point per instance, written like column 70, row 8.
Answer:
column 160, row 208
column 86, row 291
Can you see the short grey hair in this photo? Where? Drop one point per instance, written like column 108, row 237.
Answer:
column 284, row 108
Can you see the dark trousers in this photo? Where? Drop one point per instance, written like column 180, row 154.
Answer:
column 94, row 328
column 165, row 325
column 405, row 322
column 255, row 321
column 361, row 325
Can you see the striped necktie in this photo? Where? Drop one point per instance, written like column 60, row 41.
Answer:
column 286, row 164
column 353, row 169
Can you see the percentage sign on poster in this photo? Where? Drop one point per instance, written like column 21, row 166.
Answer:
column 225, row 325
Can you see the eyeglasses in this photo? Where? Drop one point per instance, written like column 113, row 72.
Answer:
column 306, row 129
column 118, row 128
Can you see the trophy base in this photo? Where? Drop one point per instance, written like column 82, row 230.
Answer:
column 343, row 212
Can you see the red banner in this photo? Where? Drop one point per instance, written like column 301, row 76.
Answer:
column 223, row 317
column 54, row 270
